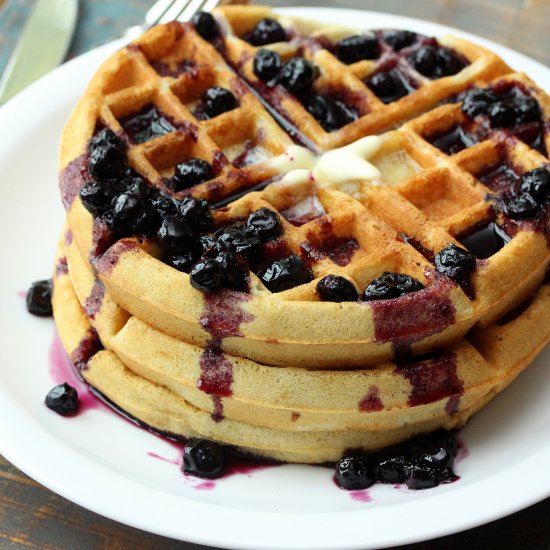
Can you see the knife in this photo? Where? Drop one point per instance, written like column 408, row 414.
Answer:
column 42, row 45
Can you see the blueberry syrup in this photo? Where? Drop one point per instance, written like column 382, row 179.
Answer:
column 484, row 240
column 106, row 262
column 371, row 402
column 502, row 178
column 68, row 238
column 361, row 496
column 72, row 179
column 453, row 141
column 22, row 293
column 149, row 123
column 61, row 267
column 93, row 302
column 174, row 69
column 222, row 317
column 419, row 247
column 102, row 238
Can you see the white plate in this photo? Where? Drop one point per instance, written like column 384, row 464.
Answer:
column 102, row 463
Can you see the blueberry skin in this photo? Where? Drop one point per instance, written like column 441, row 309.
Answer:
column 391, row 285
column 217, row 100
column 333, row 288
column 190, row 173
column 297, row 75
column 454, row 261
column 267, row 64
column 97, row 196
column 203, row 458
column 205, row 25
column 356, row 48
column 264, row 224
column 354, row 472
column 420, row 477
column 399, row 39
column 477, row 102
column 266, row 31
column 527, row 110
column 238, row 241
column 206, row 275
column 177, row 235
column 62, row 399
column 107, row 159
column 390, row 464
column 39, row 298
column 537, row 184
column 331, row 114
column 521, row 206
column 502, row 115
column 197, row 213
column 285, row 274
column 234, row 274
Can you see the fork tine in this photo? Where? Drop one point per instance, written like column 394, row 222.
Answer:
column 209, row 5
column 156, row 11
column 188, row 11
column 175, row 9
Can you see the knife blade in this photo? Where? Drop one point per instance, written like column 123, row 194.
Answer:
column 42, row 45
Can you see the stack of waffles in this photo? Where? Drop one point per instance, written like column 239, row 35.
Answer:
column 370, row 263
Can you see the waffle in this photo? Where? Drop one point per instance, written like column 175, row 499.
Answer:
column 285, row 413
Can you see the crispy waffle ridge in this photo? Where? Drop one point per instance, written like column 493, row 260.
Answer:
column 282, row 413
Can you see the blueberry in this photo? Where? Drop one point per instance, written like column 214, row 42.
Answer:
column 96, row 197
column 267, row 64
column 107, row 156
column 537, row 183
column 285, row 274
column 191, row 172
column 196, row 212
column 391, row 285
column 207, row 243
column 333, row 288
column 331, row 114
column 39, row 298
column 203, row 458
column 165, row 206
column 266, row 31
column 387, row 85
column 447, row 63
column 354, row 472
column 420, row 477
column 177, row 235
column 205, row 25
column 264, row 224
column 424, row 60
column 135, row 184
column 206, row 275
column 477, row 102
column 216, row 101
column 357, row 47
column 454, row 262
column 234, row 275
column 127, row 207
column 399, row 39
column 527, row 110
column 502, row 115
column 240, row 242
column 521, row 206
column 438, row 460
column 440, row 437
column 147, row 220
column 183, row 262
column 390, row 465
column 62, row 399
column 297, row 75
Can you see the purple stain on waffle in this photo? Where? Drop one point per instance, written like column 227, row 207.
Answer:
column 93, row 302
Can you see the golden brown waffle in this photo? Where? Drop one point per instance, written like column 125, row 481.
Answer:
column 285, row 413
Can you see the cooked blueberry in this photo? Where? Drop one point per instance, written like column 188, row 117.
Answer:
column 264, row 223
column 331, row 114
column 196, row 212
column 206, row 275
column 148, row 123
column 521, row 207
column 203, row 458
column 191, row 172
column 205, row 25
column 334, row 288
column 391, row 285
column 147, row 221
column 234, row 274
column 390, row 465
column 183, row 262
column 527, row 110
column 267, row 31
column 424, row 60
column 420, row 477
column 357, row 47
column 440, row 437
column 448, row 63
column 127, row 207
column 387, row 85
column 177, row 235
column 107, row 156
column 297, row 75
column 164, row 205
column 216, row 101
column 436, row 62
column 39, row 298
column 399, row 39
column 96, row 196
column 207, row 243
column 240, row 242
column 285, row 274
column 537, row 183
column 437, row 459
column 454, row 262
column 502, row 115
column 267, row 64
column 62, row 399
column 477, row 102
column 354, row 472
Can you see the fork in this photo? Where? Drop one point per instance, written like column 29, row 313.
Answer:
column 164, row 11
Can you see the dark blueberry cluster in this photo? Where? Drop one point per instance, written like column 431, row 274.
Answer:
column 389, row 85
column 217, row 100
column 455, row 262
column 399, row 39
column 147, row 124
column 39, row 298
column 63, row 399
column 266, row 31
column 333, row 288
column 285, row 274
column 190, row 173
column 528, row 198
column 330, row 113
column 422, row 462
column 205, row 25
column 356, row 48
column 203, row 458
column 391, row 285
column 503, row 110
column 436, row 61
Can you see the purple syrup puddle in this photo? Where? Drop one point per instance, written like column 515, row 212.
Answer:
column 174, row 68
column 361, row 496
column 484, row 241
column 308, row 209
column 147, row 124
column 453, row 141
column 500, row 178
